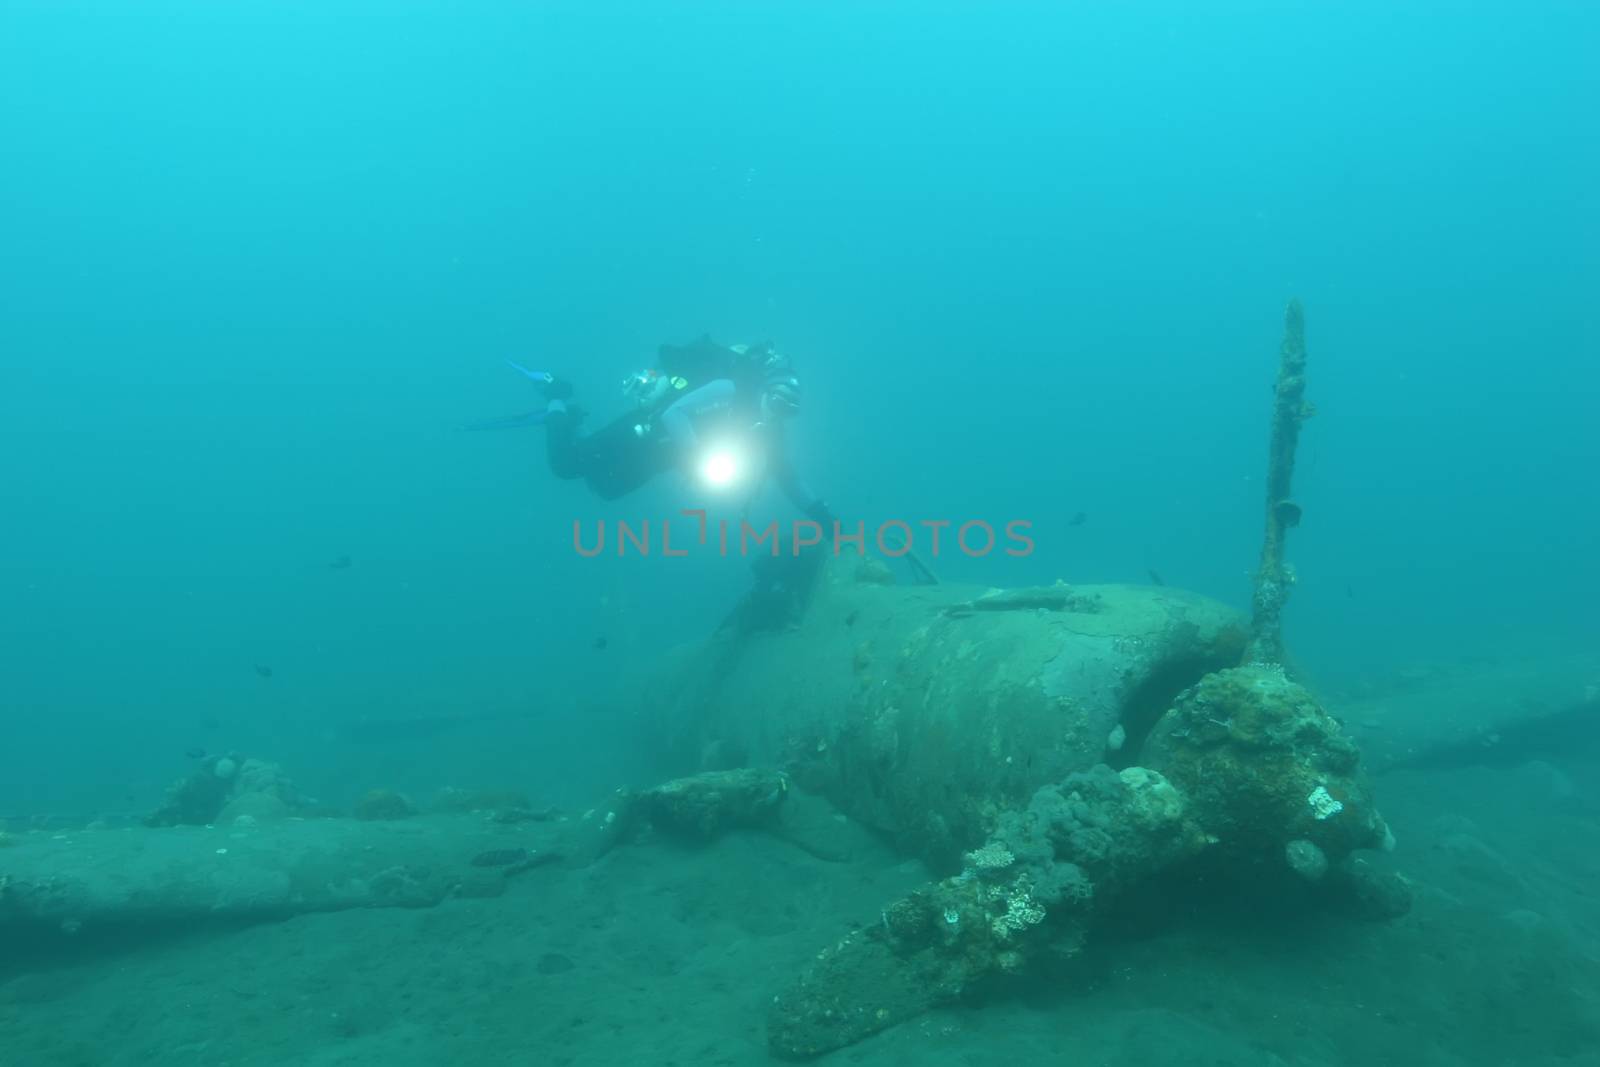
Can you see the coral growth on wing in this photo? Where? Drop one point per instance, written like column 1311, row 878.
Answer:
column 382, row 805
column 223, row 789
column 1268, row 765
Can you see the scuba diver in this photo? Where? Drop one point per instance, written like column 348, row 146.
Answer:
column 712, row 410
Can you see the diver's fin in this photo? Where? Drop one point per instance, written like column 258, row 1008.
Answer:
column 509, row 422
column 543, row 377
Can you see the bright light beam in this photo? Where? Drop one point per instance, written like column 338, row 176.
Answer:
column 720, row 468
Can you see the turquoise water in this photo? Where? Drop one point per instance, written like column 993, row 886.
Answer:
column 260, row 261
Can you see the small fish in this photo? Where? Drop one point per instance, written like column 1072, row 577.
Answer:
column 1156, row 578
column 195, row 753
column 340, row 564
column 263, row 670
column 599, row 643
column 1079, row 519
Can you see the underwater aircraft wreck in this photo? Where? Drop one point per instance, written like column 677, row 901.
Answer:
column 1053, row 754
column 1049, row 749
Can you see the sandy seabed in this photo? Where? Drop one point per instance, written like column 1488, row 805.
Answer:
column 665, row 955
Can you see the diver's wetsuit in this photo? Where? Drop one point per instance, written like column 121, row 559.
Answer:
column 616, row 459
column 613, row 460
